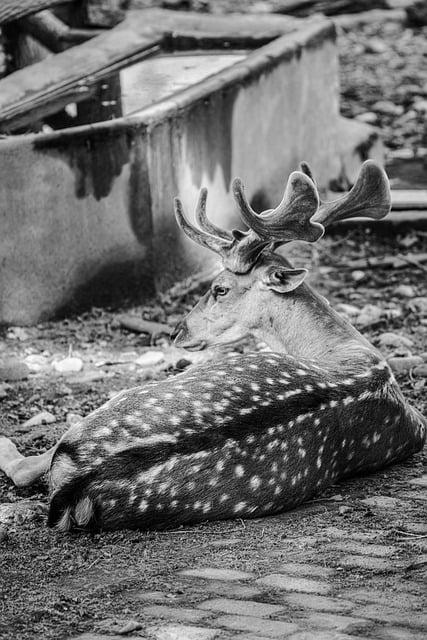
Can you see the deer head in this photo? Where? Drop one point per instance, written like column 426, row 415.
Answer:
column 258, row 289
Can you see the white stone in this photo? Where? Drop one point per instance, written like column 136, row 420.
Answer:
column 72, row 364
column 44, row 417
column 150, row 359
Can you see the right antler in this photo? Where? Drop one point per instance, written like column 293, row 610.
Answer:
column 290, row 220
column 369, row 197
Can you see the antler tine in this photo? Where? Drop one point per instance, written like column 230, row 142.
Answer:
column 291, row 219
column 370, row 197
column 219, row 245
column 205, row 223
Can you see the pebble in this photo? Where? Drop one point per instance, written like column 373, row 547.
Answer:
column 3, row 535
column 419, row 304
column 420, row 371
column 405, row 291
column 368, row 117
column 17, row 333
column 369, row 315
column 420, row 106
column 150, row 359
column 375, row 45
column 72, row 364
column 44, row 417
column 13, row 369
column 348, row 310
column 4, row 389
column 36, row 362
column 390, row 339
column 73, row 418
column 381, row 502
column 407, row 363
column 387, row 108
column 358, row 275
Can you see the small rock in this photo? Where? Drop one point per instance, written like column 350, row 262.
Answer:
column 387, row 108
column 381, row 502
column 183, row 363
column 404, row 291
column 419, row 482
column 18, row 512
column 368, row 117
column 4, row 389
column 73, row 418
column 358, row 276
column 130, row 626
column 370, row 314
column 13, row 369
column 17, row 333
column 44, row 417
column 390, row 339
column 150, row 359
column 419, row 304
column 36, row 362
column 420, row 371
column 400, row 365
column 375, row 45
column 3, row 535
column 347, row 309
column 72, row 364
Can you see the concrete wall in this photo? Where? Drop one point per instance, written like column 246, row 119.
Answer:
column 87, row 213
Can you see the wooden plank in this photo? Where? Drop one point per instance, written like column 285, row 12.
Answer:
column 74, row 70
column 405, row 199
column 11, row 10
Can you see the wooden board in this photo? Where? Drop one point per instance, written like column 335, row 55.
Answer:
column 67, row 75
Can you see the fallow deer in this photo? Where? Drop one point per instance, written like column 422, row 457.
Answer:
column 243, row 435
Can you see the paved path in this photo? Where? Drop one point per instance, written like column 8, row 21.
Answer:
column 335, row 569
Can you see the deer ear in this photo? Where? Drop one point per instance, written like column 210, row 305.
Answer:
column 284, row 280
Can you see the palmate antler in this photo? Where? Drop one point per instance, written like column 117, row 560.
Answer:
column 299, row 216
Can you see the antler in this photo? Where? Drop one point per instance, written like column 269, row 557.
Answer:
column 370, row 197
column 291, row 220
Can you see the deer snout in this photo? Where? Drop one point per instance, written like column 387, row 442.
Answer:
column 182, row 337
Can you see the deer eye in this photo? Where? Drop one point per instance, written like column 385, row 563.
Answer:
column 219, row 291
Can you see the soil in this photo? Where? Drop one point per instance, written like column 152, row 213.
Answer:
column 57, row 586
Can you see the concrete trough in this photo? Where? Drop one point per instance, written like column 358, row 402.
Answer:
column 87, row 211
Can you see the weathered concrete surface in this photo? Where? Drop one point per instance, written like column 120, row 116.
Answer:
column 87, row 212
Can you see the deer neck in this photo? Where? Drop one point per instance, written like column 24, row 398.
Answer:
column 308, row 328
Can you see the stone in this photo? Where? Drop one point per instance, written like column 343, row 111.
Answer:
column 365, row 562
column 44, row 417
column 377, row 550
column 150, row 359
column 375, row 45
column 401, row 364
column 242, row 607
column 370, row 314
column 4, row 390
column 320, row 635
column 347, row 624
column 36, row 362
column 420, row 106
column 393, row 615
column 230, row 589
column 17, row 333
column 181, row 632
column 419, row 304
column 211, row 573
column 181, row 614
column 306, row 569
column 269, row 628
column 405, row 291
column 13, row 369
column 420, row 371
column 399, row 633
column 3, row 535
column 369, row 117
column 73, row 418
column 390, row 339
column 387, row 108
column 292, row 583
column 72, row 364
column 358, row 275
column 381, row 502
column 318, row 603
column 419, row 482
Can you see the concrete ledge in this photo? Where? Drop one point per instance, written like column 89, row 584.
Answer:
column 87, row 206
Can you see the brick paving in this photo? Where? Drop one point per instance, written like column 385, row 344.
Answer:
column 331, row 580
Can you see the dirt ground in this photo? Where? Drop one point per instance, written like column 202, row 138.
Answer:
column 109, row 584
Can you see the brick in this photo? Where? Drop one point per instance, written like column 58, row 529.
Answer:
column 318, row 603
column 242, row 607
column 300, row 569
column 292, row 583
column 366, row 562
column 210, row 573
column 354, row 548
column 392, row 615
column 181, row 632
column 183, row 614
column 268, row 628
column 370, row 596
column 399, row 633
column 322, row 635
column 153, row 596
column 348, row 624
column 230, row 589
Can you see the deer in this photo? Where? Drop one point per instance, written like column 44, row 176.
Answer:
column 243, row 435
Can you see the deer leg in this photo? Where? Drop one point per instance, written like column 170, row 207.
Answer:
column 21, row 470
